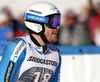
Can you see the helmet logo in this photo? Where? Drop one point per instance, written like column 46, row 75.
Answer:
column 39, row 27
column 35, row 11
column 36, row 18
column 53, row 8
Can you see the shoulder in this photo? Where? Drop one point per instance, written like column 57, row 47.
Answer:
column 15, row 49
column 18, row 39
column 53, row 48
column 15, row 43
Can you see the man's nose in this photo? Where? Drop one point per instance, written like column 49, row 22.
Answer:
column 58, row 27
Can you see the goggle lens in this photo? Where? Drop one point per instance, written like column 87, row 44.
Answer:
column 54, row 21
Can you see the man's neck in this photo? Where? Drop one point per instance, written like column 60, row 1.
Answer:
column 39, row 40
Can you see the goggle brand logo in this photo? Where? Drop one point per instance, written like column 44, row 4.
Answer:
column 36, row 18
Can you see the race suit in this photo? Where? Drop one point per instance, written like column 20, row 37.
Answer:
column 24, row 61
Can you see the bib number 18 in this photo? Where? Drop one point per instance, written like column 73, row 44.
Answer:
column 46, row 76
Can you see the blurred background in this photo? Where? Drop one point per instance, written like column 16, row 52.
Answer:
column 79, row 34
column 79, row 22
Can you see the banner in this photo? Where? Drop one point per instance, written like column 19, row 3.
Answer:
column 80, row 68
column 80, row 64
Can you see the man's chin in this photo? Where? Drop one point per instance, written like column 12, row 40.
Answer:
column 54, row 41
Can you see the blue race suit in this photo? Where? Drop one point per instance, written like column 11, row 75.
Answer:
column 24, row 61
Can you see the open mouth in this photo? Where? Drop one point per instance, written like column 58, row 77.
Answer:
column 54, row 34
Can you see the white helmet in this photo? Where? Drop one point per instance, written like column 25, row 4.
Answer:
column 41, row 13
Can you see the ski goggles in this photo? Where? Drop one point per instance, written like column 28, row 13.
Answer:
column 52, row 20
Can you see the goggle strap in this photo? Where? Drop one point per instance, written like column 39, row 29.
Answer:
column 50, row 26
column 31, row 17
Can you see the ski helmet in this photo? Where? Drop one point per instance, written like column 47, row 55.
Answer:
column 41, row 13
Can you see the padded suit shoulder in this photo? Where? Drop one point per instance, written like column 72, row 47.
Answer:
column 13, row 56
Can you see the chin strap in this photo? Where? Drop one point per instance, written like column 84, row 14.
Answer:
column 43, row 37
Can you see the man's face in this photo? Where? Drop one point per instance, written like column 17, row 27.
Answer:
column 51, row 34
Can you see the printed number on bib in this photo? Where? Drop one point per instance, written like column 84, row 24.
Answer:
column 46, row 76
